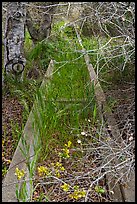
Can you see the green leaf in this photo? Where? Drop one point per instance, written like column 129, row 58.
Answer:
column 99, row 189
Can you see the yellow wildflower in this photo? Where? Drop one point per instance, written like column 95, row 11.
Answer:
column 65, row 153
column 83, row 193
column 65, row 187
column 57, row 173
column 62, row 168
column 76, row 187
column 77, row 194
column 19, row 173
column 3, row 142
column 69, row 144
column 58, row 164
column 43, row 171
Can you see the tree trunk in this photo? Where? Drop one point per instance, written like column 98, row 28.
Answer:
column 14, row 60
column 39, row 20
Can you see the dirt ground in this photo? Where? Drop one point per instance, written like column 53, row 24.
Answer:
column 124, row 109
column 11, row 114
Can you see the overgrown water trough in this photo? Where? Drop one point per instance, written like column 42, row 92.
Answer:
column 121, row 194
column 10, row 180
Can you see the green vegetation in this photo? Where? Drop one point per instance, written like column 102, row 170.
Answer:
column 69, row 81
column 57, row 120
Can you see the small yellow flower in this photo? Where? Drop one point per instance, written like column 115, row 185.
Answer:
column 78, row 194
column 76, row 187
column 65, row 187
column 60, row 154
column 69, row 144
column 19, row 173
column 83, row 193
column 66, row 151
column 74, row 195
column 3, row 142
column 57, row 173
column 58, row 164
column 108, row 138
column 43, row 171
column 62, row 168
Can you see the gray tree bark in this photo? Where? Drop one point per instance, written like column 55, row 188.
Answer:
column 14, row 60
column 39, row 20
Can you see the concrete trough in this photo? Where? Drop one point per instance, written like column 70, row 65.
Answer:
column 18, row 160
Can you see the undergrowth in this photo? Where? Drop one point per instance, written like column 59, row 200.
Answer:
column 58, row 122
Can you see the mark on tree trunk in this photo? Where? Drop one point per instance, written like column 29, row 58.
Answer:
column 14, row 60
